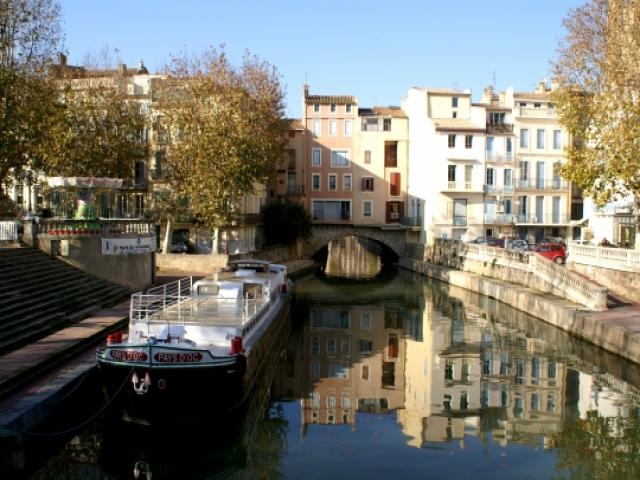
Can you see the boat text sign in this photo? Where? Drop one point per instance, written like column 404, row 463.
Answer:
column 128, row 246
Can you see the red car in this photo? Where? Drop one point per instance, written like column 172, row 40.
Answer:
column 552, row 251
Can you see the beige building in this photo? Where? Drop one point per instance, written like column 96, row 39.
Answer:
column 289, row 180
column 353, row 361
column 380, row 166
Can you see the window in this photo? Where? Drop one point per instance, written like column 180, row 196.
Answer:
column 386, row 124
column 454, row 115
column 524, row 138
column 333, row 108
column 537, row 105
column 346, row 182
column 332, row 127
column 452, row 140
column 347, row 108
column 348, row 126
column 394, row 184
column 367, row 184
column 454, row 102
column 315, row 346
column 315, row 182
column 448, row 370
column 315, row 370
column 508, row 177
column 460, row 212
column 331, row 346
column 509, row 147
column 557, row 139
column 317, row 127
column 367, row 156
column 331, row 209
column 365, row 318
column 315, row 157
column 468, row 141
column 370, row 125
column 451, row 173
column 367, row 212
column 365, row 372
column 496, row 118
column 390, row 154
column 490, row 176
column 523, row 104
column 339, row 158
column 540, row 139
column 333, row 182
column 316, row 108
column 366, row 345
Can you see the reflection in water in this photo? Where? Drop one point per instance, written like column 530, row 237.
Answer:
column 402, row 377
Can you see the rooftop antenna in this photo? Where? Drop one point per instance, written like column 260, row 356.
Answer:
column 493, row 79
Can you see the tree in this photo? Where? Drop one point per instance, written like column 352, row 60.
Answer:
column 226, row 127
column 285, row 222
column 29, row 38
column 598, row 99
column 95, row 131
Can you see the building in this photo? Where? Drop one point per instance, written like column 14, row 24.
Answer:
column 380, row 166
column 446, row 162
column 329, row 123
column 544, row 201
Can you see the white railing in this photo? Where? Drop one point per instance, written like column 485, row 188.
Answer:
column 622, row 259
column 145, row 304
column 9, row 230
column 573, row 286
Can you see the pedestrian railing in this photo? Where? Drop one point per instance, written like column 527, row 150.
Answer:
column 9, row 230
column 622, row 259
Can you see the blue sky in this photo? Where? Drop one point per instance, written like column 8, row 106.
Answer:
column 373, row 49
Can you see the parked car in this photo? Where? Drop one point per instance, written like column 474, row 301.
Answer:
column 489, row 241
column 552, row 251
column 179, row 247
column 521, row 245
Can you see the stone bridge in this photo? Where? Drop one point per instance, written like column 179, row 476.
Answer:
column 392, row 237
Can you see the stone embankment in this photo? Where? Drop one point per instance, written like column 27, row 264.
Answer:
column 559, row 297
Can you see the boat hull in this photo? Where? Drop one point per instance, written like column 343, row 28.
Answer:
column 187, row 393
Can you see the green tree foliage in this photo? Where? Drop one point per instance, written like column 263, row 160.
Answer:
column 600, row 447
column 285, row 222
column 29, row 38
column 96, row 131
column 598, row 99
column 226, row 126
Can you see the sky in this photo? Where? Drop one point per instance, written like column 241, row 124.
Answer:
column 373, row 49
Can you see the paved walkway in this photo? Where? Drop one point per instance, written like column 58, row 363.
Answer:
column 30, row 361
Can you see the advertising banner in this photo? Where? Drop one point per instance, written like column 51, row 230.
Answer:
column 128, row 246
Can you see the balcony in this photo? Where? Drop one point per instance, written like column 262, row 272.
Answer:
column 536, row 112
column 498, row 128
column 500, row 219
column 543, row 219
column 465, row 187
column 295, row 190
column 499, row 189
column 553, row 185
column 499, row 157
column 412, row 221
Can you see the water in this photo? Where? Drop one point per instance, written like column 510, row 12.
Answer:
column 396, row 377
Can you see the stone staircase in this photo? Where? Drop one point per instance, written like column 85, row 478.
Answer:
column 39, row 294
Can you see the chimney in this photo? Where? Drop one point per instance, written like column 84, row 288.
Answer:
column 122, row 69
column 62, row 59
column 305, row 89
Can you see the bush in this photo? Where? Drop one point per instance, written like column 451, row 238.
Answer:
column 285, row 221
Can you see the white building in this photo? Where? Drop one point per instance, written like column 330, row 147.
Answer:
column 446, row 162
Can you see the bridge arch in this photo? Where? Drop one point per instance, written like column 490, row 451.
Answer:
column 392, row 242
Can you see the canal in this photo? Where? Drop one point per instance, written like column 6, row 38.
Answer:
column 395, row 377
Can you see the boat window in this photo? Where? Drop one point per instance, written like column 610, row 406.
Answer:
column 208, row 289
